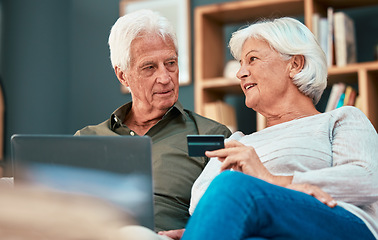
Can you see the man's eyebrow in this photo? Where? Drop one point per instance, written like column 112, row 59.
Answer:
column 146, row 63
column 151, row 62
column 171, row 58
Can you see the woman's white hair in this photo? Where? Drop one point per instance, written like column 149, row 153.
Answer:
column 131, row 26
column 289, row 37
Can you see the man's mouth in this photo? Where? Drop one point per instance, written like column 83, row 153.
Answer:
column 164, row 92
column 249, row 85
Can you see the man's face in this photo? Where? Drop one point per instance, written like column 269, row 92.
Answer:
column 153, row 73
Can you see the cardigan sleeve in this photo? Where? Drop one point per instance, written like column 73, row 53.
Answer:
column 353, row 176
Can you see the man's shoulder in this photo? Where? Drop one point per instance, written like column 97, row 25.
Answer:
column 102, row 129
column 207, row 125
column 202, row 119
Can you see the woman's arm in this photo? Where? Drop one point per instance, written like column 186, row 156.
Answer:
column 242, row 158
column 238, row 157
column 353, row 175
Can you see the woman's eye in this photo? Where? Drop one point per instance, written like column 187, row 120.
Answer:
column 252, row 59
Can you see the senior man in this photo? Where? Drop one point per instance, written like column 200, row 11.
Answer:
column 143, row 50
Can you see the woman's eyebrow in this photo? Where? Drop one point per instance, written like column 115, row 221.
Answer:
column 253, row 50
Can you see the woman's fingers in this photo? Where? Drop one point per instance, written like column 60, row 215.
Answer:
column 222, row 153
column 229, row 163
column 241, row 158
column 315, row 192
column 233, row 143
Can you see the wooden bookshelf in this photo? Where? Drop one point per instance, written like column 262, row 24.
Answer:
column 209, row 54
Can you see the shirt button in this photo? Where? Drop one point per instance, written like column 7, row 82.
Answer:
column 132, row 133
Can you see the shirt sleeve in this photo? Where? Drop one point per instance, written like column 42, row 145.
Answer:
column 353, row 176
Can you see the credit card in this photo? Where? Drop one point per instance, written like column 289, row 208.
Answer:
column 199, row 144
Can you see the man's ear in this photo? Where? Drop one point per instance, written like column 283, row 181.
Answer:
column 121, row 76
column 297, row 63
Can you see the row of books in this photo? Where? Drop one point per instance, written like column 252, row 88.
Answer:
column 336, row 35
column 342, row 95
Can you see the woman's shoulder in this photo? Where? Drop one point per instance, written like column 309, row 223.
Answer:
column 348, row 112
column 348, row 109
column 351, row 116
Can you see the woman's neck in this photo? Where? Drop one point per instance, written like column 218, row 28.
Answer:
column 302, row 107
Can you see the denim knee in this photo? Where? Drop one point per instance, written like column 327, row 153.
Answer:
column 227, row 178
column 232, row 180
column 238, row 183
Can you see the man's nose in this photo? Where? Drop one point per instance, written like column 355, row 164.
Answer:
column 163, row 76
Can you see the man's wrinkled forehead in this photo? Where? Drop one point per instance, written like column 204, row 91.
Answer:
column 150, row 43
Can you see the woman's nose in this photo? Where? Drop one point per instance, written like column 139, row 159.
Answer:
column 242, row 73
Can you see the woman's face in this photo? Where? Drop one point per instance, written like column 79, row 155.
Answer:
column 264, row 75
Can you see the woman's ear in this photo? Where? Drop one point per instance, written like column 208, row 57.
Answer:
column 121, row 76
column 297, row 63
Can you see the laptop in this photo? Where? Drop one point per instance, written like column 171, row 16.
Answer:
column 114, row 168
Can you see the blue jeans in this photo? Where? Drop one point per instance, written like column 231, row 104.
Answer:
column 238, row 206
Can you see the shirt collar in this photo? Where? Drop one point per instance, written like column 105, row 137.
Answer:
column 118, row 116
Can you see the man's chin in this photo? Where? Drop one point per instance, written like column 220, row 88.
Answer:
column 165, row 105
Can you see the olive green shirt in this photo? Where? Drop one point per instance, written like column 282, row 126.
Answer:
column 174, row 172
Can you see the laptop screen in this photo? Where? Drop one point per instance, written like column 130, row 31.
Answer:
column 115, row 168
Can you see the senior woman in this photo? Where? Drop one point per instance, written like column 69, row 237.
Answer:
column 308, row 175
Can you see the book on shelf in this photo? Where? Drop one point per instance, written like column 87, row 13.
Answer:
column 323, row 32
column 350, row 96
column 341, row 95
column 323, row 35
column 315, row 26
column 336, row 91
column 221, row 112
column 345, row 42
column 340, row 103
column 358, row 103
column 330, row 37
column 335, row 34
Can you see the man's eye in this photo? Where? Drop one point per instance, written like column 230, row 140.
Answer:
column 171, row 65
column 148, row 68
